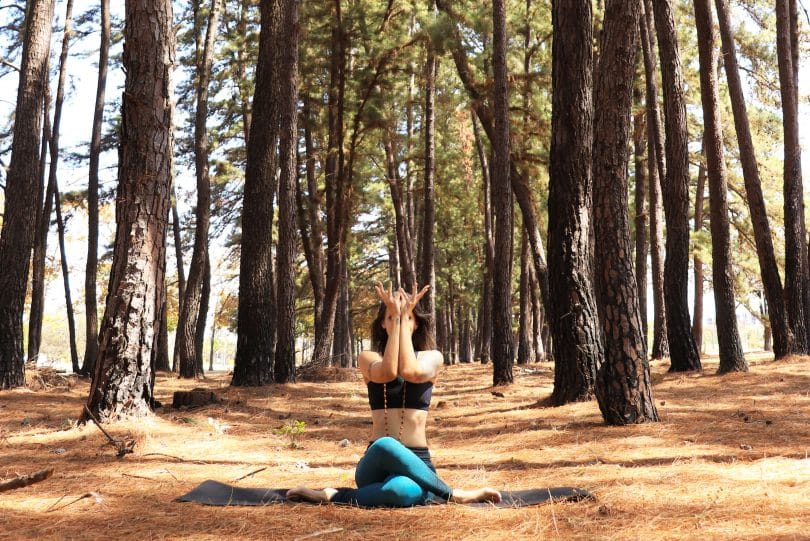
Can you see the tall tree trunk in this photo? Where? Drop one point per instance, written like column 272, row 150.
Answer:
column 572, row 311
column 796, row 271
column 213, row 338
column 313, row 244
column 541, row 348
column 623, row 387
column 441, row 334
column 162, row 354
column 284, row 368
column 641, row 214
column 60, row 223
column 178, row 252
column 682, row 349
column 728, row 336
column 697, row 262
column 518, row 179
column 403, row 231
column 19, row 214
column 256, row 334
column 241, row 70
column 656, row 171
column 525, row 351
column 124, row 379
column 485, row 321
column 502, row 344
column 341, row 345
column 427, row 269
column 782, row 336
column 181, row 272
column 91, row 268
column 205, row 297
column 336, row 203
column 38, row 290
column 191, row 312
column 43, row 226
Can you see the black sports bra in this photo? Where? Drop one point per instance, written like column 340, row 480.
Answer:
column 399, row 393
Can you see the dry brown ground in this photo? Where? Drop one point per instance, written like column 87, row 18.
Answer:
column 729, row 460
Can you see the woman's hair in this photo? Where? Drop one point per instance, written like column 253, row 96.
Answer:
column 423, row 337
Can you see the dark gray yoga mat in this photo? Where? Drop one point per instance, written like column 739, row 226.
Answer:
column 216, row 493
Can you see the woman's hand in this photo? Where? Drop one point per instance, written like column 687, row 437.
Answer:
column 393, row 305
column 408, row 303
column 410, row 300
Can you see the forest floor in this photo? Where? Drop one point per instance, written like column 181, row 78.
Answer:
column 729, row 459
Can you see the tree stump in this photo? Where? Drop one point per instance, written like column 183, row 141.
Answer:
column 193, row 398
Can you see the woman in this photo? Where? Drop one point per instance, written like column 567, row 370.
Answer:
column 396, row 470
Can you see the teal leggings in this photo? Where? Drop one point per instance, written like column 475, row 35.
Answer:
column 391, row 475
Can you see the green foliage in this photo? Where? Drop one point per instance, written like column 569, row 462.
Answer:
column 292, row 430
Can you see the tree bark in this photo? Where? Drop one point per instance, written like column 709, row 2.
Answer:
column 485, row 321
column 205, row 297
column 783, row 340
column 502, row 343
column 284, row 368
column 19, row 215
column 728, row 336
column 697, row 262
column 178, row 252
column 60, row 223
column 656, row 171
column 91, row 268
column 43, row 226
column 518, row 179
column 124, row 379
column 642, row 239
column 256, row 334
column 341, row 345
column 623, row 387
column 313, row 241
column 336, row 188
column 403, row 231
column 525, row 352
column 683, row 351
column 191, row 312
column 796, row 264
column 162, row 354
column 572, row 310
column 39, row 286
column 427, row 269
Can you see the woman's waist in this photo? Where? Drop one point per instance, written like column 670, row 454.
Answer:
column 421, row 451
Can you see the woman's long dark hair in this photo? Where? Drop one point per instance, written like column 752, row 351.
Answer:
column 423, row 337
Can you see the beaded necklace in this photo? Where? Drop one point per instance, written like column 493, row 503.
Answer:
column 401, row 414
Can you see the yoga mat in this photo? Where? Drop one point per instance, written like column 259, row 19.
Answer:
column 216, row 493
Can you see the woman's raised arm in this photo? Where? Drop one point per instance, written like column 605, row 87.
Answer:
column 412, row 367
column 383, row 368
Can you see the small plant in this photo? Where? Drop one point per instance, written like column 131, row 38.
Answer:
column 292, row 430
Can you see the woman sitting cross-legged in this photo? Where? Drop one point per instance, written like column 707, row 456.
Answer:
column 396, row 470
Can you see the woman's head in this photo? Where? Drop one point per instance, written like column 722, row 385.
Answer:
column 423, row 335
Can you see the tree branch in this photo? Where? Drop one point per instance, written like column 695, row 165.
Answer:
column 9, row 64
column 25, row 480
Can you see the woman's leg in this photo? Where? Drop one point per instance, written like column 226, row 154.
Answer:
column 394, row 491
column 387, row 456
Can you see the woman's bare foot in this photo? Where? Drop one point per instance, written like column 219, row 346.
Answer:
column 304, row 494
column 485, row 494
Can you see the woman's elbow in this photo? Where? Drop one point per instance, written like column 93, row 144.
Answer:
column 414, row 376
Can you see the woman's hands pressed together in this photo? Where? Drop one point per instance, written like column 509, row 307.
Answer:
column 393, row 305
column 408, row 303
